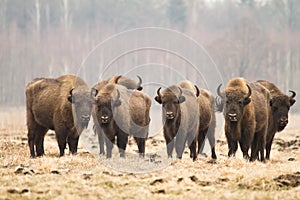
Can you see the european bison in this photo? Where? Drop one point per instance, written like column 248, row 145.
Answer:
column 207, row 125
column 61, row 104
column 280, row 105
column 180, row 115
column 246, row 112
column 121, row 80
column 121, row 112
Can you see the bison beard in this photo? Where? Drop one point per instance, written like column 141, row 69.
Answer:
column 50, row 104
column 181, row 119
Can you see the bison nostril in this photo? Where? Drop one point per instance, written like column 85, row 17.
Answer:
column 284, row 120
column 232, row 116
column 170, row 115
column 85, row 117
column 104, row 117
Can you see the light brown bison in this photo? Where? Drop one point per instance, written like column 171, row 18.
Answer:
column 207, row 118
column 280, row 105
column 61, row 104
column 121, row 112
column 246, row 112
column 180, row 115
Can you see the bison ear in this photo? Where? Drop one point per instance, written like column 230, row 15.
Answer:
column 292, row 101
column 140, row 88
column 247, row 101
column 158, row 99
column 181, row 99
column 117, row 103
column 94, row 92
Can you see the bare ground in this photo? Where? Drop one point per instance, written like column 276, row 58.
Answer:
column 86, row 176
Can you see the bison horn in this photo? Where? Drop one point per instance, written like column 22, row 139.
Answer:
column 94, row 92
column 293, row 93
column 197, row 91
column 180, row 91
column 71, row 91
column 249, row 91
column 117, row 79
column 219, row 90
column 140, row 80
column 158, row 92
column 118, row 94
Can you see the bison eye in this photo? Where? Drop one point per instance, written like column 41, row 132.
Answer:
column 241, row 103
column 275, row 108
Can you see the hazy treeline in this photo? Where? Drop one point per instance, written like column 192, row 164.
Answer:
column 254, row 39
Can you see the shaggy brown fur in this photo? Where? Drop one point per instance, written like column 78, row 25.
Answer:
column 48, row 106
column 180, row 118
column 121, row 112
column 246, row 117
column 280, row 105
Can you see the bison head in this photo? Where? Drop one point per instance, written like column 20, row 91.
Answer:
column 280, row 105
column 170, row 101
column 104, row 106
column 82, row 102
column 234, row 101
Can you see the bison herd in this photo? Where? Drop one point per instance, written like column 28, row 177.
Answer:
column 253, row 113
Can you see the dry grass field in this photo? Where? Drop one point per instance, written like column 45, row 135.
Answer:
column 86, row 176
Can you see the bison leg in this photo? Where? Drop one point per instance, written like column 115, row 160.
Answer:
column 61, row 136
column 268, row 146
column 232, row 146
column 192, row 145
column 141, row 146
column 258, row 145
column 245, row 148
column 73, row 143
column 122, row 140
column 170, row 145
column 101, row 141
column 39, row 142
column 212, row 141
column 262, row 143
column 180, row 144
column 36, row 134
column 109, row 145
column 201, row 138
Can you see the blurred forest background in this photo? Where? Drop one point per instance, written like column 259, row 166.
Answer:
column 47, row 38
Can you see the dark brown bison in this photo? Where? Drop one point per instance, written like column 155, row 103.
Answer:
column 61, row 104
column 246, row 111
column 280, row 105
column 121, row 112
column 180, row 115
column 121, row 80
column 127, row 82
column 207, row 123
